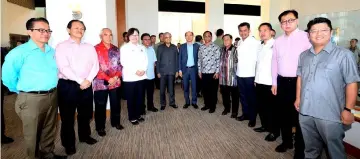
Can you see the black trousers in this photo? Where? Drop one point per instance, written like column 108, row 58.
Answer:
column 198, row 84
column 226, row 92
column 247, row 96
column 70, row 99
column 210, row 88
column 266, row 108
column 135, row 98
column 100, row 99
column 288, row 116
column 149, row 90
column 157, row 80
column 2, row 110
column 167, row 81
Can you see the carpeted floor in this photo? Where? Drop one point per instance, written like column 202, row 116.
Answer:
column 170, row 134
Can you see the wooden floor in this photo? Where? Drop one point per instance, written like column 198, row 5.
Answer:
column 170, row 134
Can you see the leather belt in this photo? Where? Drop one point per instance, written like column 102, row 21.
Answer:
column 190, row 66
column 41, row 92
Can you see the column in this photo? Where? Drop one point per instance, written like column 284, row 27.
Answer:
column 277, row 7
column 214, row 15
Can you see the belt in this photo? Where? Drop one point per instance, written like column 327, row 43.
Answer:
column 41, row 92
column 190, row 66
column 287, row 78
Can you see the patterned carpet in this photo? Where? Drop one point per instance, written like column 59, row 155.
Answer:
column 170, row 134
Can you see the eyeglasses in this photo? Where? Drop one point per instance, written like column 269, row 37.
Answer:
column 289, row 21
column 42, row 31
column 146, row 39
column 322, row 31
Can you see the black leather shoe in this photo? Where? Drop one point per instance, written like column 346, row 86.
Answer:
column 70, row 150
column 233, row 116
column 205, row 108
column 260, row 129
column 162, row 108
column 283, row 147
column 174, row 106
column 134, row 122
column 225, row 112
column 252, row 123
column 212, row 111
column 242, row 118
column 153, row 109
column 89, row 140
column 141, row 119
column 6, row 140
column 119, row 127
column 186, row 106
column 195, row 106
column 101, row 132
column 271, row 137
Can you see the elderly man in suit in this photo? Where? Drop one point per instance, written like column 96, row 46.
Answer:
column 188, row 57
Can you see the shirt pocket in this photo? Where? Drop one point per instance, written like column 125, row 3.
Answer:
column 327, row 70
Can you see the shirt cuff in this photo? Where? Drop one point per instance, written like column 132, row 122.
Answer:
column 79, row 81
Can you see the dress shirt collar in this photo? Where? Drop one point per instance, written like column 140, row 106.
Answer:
column 32, row 45
column 189, row 44
column 292, row 33
column 211, row 44
column 230, row 48
column 73, row 41
column 269, row 43
column 102, row 45
column 328, row 48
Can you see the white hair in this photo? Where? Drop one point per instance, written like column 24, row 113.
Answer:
column 102, row 31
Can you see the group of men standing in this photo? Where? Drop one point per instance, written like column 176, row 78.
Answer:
column 277, row 79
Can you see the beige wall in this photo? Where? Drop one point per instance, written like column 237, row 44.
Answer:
column 310, row 7
column 13, row 19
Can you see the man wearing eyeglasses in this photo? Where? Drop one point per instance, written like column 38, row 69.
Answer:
column 78, row 65
column 326, row 92
column 286, row 51
column 167, row 70
column 30, row 70
column 150, row 73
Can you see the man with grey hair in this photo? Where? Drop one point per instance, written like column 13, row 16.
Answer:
column 107, row 83
column 167, row 69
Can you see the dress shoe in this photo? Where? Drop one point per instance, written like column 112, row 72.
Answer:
column 233, row 116
column 101, row 132
column 152, row 109
column 242, row 118
column 195, row 106
column 89, row 140
column 212, row 111
column 205, row 108
column 186, row 106
column 283, row 147
column 174, row 106
column 252, row 123
column 141, row 119
column 118, row 126
column 260, row 129
column 134, row 122
column 6, row 140
column 162, row 108
column 271, row 137
column 225, row 112
column 70, row 150
column 199, row 95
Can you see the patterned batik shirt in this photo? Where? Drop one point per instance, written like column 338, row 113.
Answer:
column 209, row 58
column 228, row 66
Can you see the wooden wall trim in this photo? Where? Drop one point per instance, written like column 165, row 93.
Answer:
column 120, row 20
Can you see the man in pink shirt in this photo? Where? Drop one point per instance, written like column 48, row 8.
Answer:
column 286, row 51
column 78, row 65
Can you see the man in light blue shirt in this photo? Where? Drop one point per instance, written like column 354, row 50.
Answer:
column 188, row 59
column 30, row 70
column 150, row 73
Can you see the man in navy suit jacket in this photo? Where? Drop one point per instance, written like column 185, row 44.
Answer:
column 188, row 59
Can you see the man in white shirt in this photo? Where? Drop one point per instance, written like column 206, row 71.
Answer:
column 247, row 50
column 263, row 79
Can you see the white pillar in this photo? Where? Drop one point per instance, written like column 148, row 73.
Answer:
column 142, row 15
column 214, row 15
column 277, row 7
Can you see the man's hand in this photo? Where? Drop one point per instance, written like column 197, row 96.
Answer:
column 112, row 81
column 274, row 90
column 180, row 73
column 140, row 72
column 176, row 74
column 200, row 75
column 297, row 104
column 347, row 118
column 158, row 75
column 85, row 84
column 216, row 76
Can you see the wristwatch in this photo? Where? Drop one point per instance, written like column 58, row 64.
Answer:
column 350, row 110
